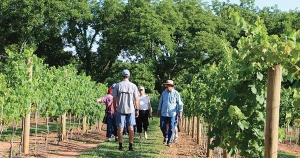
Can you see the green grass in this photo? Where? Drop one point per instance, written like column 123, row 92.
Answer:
column 282, row 154
column 152, row 147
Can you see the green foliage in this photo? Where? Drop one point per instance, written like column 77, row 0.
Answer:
column 54, row 91
column 281, row 135
column 235, row 99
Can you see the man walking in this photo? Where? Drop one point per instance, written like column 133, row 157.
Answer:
column 170, row 105
column 126, row 104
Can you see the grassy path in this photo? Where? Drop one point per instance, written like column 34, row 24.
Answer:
column 152, row 147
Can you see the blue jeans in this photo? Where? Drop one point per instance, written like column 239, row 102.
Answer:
column 168, row 133
column 111, row 126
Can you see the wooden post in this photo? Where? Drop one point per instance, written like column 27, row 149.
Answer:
column 272, row 116
column 185, row 124
column 209, row 141
column 299, row 137
column 84, row 129
column 63, row 126
column 189, row 126
column 225, row 154
column 26, row 130
column 194, row 127
column 198, row 131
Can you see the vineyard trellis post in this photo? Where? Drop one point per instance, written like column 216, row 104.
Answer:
column 26, row 130
column 84, row 128
column 198, row 131
column 209, row 141
column 272, row 114
column 193, row 127
column 225, row 154
column 63, row 126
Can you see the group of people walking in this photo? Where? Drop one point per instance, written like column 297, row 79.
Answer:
column 128, row 106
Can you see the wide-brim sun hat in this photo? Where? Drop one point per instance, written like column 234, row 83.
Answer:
column 169, row 82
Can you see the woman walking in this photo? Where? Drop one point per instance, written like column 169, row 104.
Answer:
column 110, row 116
column 145, row 111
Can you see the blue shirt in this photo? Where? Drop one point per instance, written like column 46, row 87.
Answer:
column 170, row 103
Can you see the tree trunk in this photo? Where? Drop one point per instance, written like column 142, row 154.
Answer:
column 26, row 126
column 63, row 126
column 272, row 116
column 84, row 129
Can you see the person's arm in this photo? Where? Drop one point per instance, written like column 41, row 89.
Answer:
column 115, row 104
column 136, row 101
column 100, row 100
column 149, row 107
column 180, row 106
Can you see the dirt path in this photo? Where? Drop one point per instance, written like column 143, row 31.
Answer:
column 293, row 149
column 185, row 147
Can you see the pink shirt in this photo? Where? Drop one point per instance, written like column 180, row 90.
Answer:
column 108, row 100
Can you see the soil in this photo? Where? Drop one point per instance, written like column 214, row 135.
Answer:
column 70, row 148
column 185, row 147
column 291, row 148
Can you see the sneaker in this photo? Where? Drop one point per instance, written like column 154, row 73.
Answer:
column 175, row 140
column 140, row 135
column 169, row 144
column 116, row 139
column 145, row 134
column 108, row 140
column 165, row 141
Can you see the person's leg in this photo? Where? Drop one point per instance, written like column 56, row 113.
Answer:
column 176, row 134
column 171, row 130
column 163, row 127
column 124, row 128
column 146, row 123
column 120, row 124
column 115, row 127
column 109, row 127
column 139, row 124
column 130, row 120
column 176, row 129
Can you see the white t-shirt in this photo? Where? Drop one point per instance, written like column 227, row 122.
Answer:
column 144, row 100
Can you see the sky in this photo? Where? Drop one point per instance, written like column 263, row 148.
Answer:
column 284, row 5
